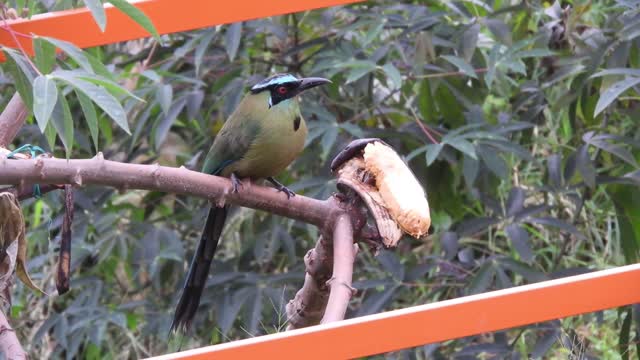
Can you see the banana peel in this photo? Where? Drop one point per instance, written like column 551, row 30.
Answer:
column 12, row 230
column 395, row 198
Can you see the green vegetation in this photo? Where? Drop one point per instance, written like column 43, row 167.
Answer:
column 520, row 119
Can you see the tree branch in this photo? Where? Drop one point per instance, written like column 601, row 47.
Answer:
column 98, row 171
column 307, row 307
column 344, row 252
column 9, row 344
column 325, row 290
column 327, row 282
column 11, row 120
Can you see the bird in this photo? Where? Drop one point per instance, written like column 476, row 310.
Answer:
column 263, row 135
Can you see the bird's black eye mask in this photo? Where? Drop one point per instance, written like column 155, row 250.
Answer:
column 285, row 86
column 280, row 86
column 282, row 92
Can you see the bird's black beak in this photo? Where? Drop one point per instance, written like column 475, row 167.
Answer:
column 311, row 82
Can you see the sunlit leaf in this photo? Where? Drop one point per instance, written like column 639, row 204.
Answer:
column 232, row 39
column 98, row 95
column 45, row 97
column 462, row 65
column 137, row 15
column 393, row 73
column 45, row 58
column 612, row 93
column 98, row 13
column 90, row 116
column 73, row 51
column 63, row 123
column 520, row 241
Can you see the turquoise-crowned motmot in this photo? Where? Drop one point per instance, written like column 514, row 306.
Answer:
column 258, row 141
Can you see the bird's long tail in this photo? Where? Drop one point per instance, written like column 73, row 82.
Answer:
column 199, row 269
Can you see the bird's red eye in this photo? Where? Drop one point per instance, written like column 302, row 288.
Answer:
column 282, row 90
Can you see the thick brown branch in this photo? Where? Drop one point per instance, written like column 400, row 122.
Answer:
column 307, row 307
column 344, row 252
column 9, row 344
column 97, row 171
column 323, row 287
column 12, row 119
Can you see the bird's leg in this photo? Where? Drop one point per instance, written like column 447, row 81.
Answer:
column 281, row 187
column 235, row 182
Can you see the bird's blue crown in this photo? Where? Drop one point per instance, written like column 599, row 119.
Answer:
column 276, row 79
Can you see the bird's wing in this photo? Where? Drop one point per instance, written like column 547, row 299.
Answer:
column 232, row 142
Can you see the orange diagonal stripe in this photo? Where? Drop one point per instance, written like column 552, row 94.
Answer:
column 450, row 319
column 168, row 16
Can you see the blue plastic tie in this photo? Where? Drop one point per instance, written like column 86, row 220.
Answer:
column 33, row 151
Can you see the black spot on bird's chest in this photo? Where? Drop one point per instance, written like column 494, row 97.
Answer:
column 296, row 123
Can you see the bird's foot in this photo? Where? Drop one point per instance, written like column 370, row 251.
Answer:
column 281, row 187
column 235, row 183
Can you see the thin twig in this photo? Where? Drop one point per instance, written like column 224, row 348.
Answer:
column 447, row 74
column 145, row 63
column 424, row 129
column 8, row 28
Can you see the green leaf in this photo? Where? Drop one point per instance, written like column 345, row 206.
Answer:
column 426, row 102
column 357, row 73
column 627, row 205
column 625, row 330
column 105, row 130
column 535, row 53
column 433, row 150
column 373, row 33
column 167, row 120
column 612, row 93
column 328, row 139
column 63, row 123
column 107, row 102
column 463, row 145
column 164, row 97
column 99, row 67
column 520, row 241
column 114, row 88
column 482, row 279
column 22, row 81
column 50, row 135
column 469, row 41
column 73, row 51
column 97, row 10
column 202, row 47
column 45, row 97
column 393, row 73
column 415, row 153
column 232, row 39
column 45, row 58
column 358, row 69
column 617, row 71
column 90, row 116
column 500, row 30
column 462, row 65
column 138, row 16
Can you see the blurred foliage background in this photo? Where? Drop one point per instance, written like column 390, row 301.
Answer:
column 520, row 118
